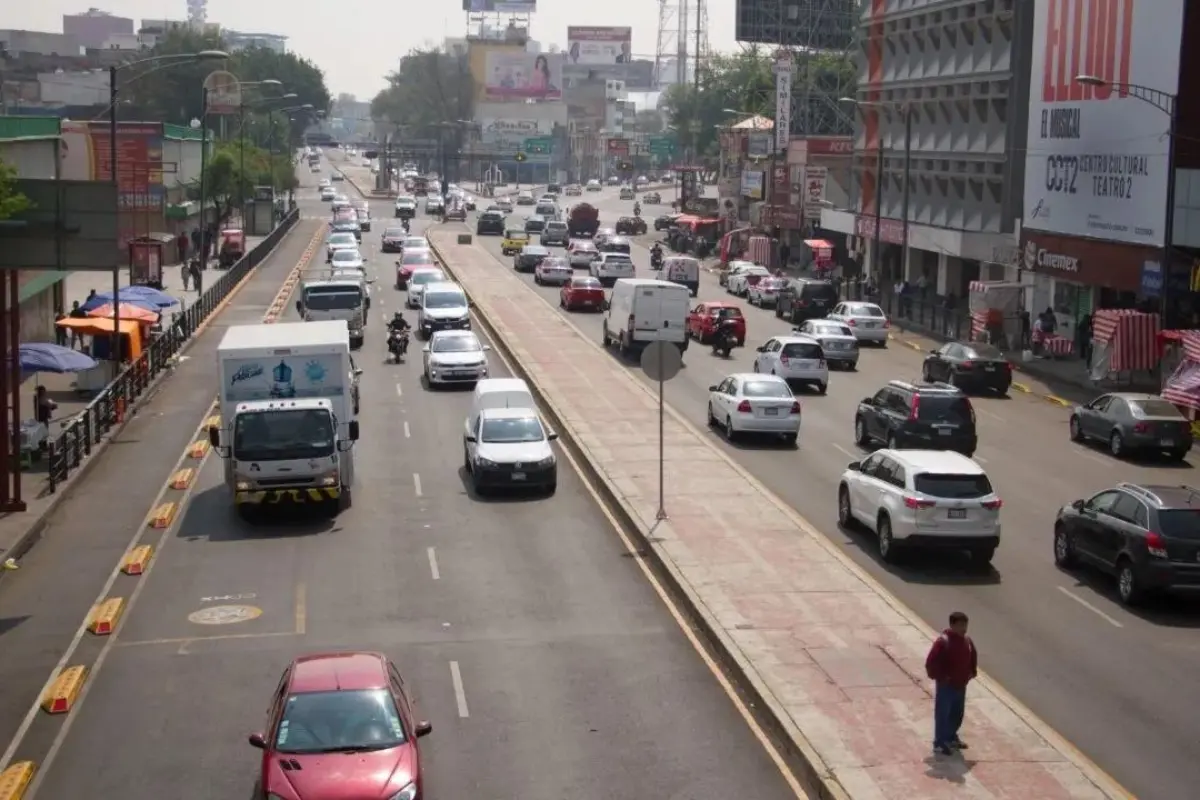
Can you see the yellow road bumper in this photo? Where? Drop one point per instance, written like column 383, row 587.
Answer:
column 274, row 496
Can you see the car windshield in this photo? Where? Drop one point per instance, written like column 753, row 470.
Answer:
column 416, row 243
column 346, row 257
column 726, row 311
column 776, row 389
column 511, row 430
column 268, row 435
column 863, row 310
column 332, row 298
column 456, row 344
column 394, row 233
column 1154, row 408
column 535, row 251
column 343, row 238
column 585, row 283
column 983, row 351
column 829, row 329
column 944, row 408
column 558, row 226
column 585, row 247
column 1179, row 523
column 445, row 300
column 952, row 487
column 803, row 350
column 413, row 257
column 428, row 276
column 332, row 722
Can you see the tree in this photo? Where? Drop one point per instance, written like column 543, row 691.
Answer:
column 12, row 202
column 226, row 186
column 429, row 88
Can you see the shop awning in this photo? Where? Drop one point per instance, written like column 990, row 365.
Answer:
column 819, row 244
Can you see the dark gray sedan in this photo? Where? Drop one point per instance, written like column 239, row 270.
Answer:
column 838, row 342
column 1128, row 422
column 530, row 256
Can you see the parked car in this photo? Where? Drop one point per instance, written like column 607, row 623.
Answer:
column 739, row 283
column 971, row 366
column 1129, row 422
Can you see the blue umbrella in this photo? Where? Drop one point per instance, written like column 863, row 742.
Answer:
column 150, row 294
column 46, row 357
column 143, row 296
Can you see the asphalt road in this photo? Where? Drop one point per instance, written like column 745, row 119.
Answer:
column 574, row 676
column 1117, row 683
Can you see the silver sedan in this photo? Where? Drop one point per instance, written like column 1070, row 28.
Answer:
column 866, row 320
column 838, row 342
column 455, row 357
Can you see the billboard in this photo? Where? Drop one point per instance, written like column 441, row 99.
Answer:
column 509, row 135
column 70, row 225
column 637, row 75
column 516, row 75
column 783, row 100
column 224, row 92
column 1096, row 156
column 500, row 6
column 599, row 45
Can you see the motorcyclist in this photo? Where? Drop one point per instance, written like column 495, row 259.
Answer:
column 404, row 224
column 398, row 325
column 725, row 330
column 656, row 255
column 637, row 209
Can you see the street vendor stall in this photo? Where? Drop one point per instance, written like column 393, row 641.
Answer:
column 1123, row 340
column 995, row 308
column 100, row 330
column 745, row 244
column 1182, row 387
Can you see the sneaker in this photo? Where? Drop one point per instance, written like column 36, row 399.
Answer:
column 959, row 744
column 943, row 750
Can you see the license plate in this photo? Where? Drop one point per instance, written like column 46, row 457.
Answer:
column 990, row 368
column 944, row 431
column 1166, row 442
column 869, row 324
column 957, row 513
column 518, row 476
column 771, row 412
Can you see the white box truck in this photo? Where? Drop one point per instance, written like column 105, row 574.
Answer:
column 289, row 407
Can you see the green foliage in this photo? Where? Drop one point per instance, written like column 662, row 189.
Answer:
column 12, row 202
column 226, row 185
column 430, row 87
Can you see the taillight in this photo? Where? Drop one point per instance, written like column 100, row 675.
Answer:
column 916, row 408
column 914, row 503
column 887, row 324
column 783, row 359
column 744, row 407
column 851, row 323
column 1008, row 366
column 993, row 505
column 795, row 406
column 1155, row 545
column 967, row 365
column 1141, row 427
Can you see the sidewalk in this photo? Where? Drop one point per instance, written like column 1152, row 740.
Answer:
column 837, row 662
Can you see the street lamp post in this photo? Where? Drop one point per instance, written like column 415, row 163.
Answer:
column 113, row 97
column 1167, row 103
column 242, row 86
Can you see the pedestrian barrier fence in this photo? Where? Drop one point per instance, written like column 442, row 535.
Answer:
column 74, row 443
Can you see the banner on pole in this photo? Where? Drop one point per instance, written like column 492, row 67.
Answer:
column 783, row 99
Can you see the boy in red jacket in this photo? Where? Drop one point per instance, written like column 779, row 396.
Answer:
column 951, row 664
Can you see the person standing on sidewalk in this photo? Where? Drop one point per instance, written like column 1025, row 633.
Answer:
column 952, row 663
column 194, row 268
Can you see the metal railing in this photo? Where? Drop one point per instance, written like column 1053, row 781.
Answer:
column 74, row 443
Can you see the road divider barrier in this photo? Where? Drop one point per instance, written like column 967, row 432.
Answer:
column 64, row 691
column 182, row 479
column 137, row 559
column 102, row 620
column 16, row 779
column 162, row 515
column 198, row 448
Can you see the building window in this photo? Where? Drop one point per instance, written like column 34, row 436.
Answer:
column 1072, row 299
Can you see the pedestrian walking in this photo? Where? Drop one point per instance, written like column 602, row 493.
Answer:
column 76, row 313
column 952, row 663
column 60, row 333
column 196, row 275
column 195, row 240
column 185, row 273
column 181, row 243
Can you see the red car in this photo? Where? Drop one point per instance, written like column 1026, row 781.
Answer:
column 412, row 260
column 703, row 319
column 341, row 725
column 580, row 293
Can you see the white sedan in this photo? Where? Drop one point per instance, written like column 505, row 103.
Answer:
column 347, row 258
column 553, row 272
column 509, row 448
column 866, row 320
column 733, row 269
column 455, row 357
column 328, row 193
column 581, row 253
column 739, row 283
column 747, row 402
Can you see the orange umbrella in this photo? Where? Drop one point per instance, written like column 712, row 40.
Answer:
column 125, row 311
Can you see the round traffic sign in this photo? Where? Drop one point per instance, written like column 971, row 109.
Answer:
column 661, row 361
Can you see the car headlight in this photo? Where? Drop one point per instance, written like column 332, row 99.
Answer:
column 548, row 461
column 407, row 793
column 485, row 462
column 330, row 478
column 244, row 486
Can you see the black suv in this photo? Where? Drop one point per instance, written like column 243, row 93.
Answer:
column 490, row 222
column 535, row 223
column 923, row 416
column 803, row 299
column 1148, row 537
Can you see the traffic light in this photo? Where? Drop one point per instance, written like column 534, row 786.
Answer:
column 520, row 158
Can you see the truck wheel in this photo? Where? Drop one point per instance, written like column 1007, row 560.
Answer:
column 345, row 499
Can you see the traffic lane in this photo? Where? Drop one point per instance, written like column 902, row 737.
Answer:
column 44, row 603
column 1022, row 604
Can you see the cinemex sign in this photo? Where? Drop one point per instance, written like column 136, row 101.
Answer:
column 1096, row 158
column 1039, row 259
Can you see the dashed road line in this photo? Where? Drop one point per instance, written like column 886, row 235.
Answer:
column 417, row 483
column 1116, row 623
column 460, row 694
column 407, row 432
column 433, row 564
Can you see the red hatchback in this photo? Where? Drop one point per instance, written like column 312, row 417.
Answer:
column 341, row 725
column 411, row 261
column 703, row 320
column 579, row 293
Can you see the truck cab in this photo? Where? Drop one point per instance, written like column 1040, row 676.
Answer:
column 343, row 298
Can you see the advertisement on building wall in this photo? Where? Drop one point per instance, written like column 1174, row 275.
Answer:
column 1086, row 261
column 752, row 185
column 814, row 191
column 500, row 6
column 509, row 135
column 783, row 100
column 599, row 45
column 517, row 75
column 636, row 75
column 1096, row 157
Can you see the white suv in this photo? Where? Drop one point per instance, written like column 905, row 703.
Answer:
column 610, row 267
column 799, row 360
column 933, row 499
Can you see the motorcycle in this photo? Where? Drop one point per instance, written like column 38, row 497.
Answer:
column 656, row 258
column 404, row 224
column 637, row 209
column 723, row 342
column 398, row 344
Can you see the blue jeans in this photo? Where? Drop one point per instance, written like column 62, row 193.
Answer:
column 949, row 703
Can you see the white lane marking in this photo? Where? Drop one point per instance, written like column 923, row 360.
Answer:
column 460, row 694
column 1111, row 621
column 1097, row 459
column 987, row 413
column 417, row 483
column 844, row 451
column 433, row 564
column 407, row 432
column 399, row 390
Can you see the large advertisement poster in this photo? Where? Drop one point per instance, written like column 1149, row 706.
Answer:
column 509, row 135
column 500, row 6
column 1096, row 155
column 599, row 45
column 637, row 75
column 517, row 75
column 86, row 156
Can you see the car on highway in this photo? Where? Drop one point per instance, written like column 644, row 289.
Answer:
column 928, row 499
column 553, row 271
column 392, row 240
column 337, row 177
column 323, row 183
column 528, row 257
column 628, row 193
column 535, row 223
column 683, row 270
column 749, row 403
column 1144, row 535
column 406, row 207
column 615, row 244
column 702, row 320
column 798, row 359
column 738, row 284
column 1129, row 423
column 578, row 294
column 444, row 306
column 418, row 280
column 733, row 268
column 764, row 292
column 341, row 719
column 411, row 260
column 347, row 259
column 504, row 204
column 364, row 217
column 930, row 416
column 867, row 320
column 664, row 221
column 525, row 198
column 609, row 268
column 434, row 204
column 555, row 233
column 456, row 212
column 971, row 366
column 837, row 341
column 413, row 243
column 652, row 198
column 581, row 252
column 594, row 185
column 509, row 448
column 547, row 208
column 469, row 202
column 514, row 239
column 328, row 193
column 350, row 226
column 339, row 241
column 804, row 298
column 454, row 356
column 340, row 201
column 631, row 226
column 490, row 223
column 574, row 190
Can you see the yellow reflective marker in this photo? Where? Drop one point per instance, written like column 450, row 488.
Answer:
column 103, row 619
column 137, row 559
column 162, row 515
column 199, row 448
column 183, row 478
column 16, row 779
column 63, row 693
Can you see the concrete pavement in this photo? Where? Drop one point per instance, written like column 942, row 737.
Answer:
column 1046, row 635
column 573, row 673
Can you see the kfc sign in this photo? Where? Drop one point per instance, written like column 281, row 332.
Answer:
column 829, row 146
column 1039, row 259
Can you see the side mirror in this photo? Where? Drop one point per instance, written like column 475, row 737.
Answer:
column 214, row 436
column 933, row 352
column 1077, row 505
column 714, row 388
column 425, row 349
column 855, row 465
column 358, row 371
column 470, row 437
column 487, row 347
column 353, row 433
column 424, row 728
column 761, row 349
column 867, row 401
column 257, row 740
column 550, row 437
column 605, row 305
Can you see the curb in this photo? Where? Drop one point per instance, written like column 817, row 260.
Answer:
column 33, row 534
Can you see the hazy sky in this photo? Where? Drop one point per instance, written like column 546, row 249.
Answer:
column 356, row 44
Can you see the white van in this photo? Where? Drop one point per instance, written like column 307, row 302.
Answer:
column 683, row 270
column 498, row 393
column 643, row 310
